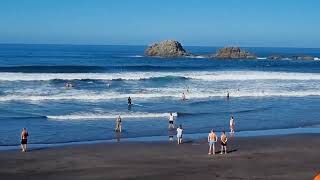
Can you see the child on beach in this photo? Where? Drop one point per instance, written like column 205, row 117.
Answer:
column 212, row 139
column 224, row 140
column 179, row 134
column 24, row 140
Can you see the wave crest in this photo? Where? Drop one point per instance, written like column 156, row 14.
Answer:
column 94, row 116
column 197, row 75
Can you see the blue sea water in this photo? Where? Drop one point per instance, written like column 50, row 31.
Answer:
column 264, row 94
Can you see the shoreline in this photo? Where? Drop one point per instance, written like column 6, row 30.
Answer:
column 165, row 139
column 270, row 157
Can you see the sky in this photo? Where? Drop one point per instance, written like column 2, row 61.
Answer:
column 248, row 23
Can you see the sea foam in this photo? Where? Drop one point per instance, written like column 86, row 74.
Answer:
column 197, row 75
column 99, row 116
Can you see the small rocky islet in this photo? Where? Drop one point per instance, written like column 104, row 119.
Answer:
column 168, row 48
column 174, row 49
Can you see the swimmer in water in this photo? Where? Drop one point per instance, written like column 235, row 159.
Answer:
column 129, row 101
column 184, row 97
column 69, row 85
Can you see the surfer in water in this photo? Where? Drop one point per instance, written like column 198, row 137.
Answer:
column 129, row 101
column 118, row 124
column 228, row 95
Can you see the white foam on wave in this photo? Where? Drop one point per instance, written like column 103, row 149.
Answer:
column 197, row 75
column 262, row 58
column 169, row 94
column 135, row 56
column 100, row 116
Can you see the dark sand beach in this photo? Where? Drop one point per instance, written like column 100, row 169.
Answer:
column 284, row 157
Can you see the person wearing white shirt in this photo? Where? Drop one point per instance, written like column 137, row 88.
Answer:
column 171, row 119
column 179, row 134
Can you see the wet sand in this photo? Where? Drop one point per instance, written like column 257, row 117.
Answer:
column 285, row 157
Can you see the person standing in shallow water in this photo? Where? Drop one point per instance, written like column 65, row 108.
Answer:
column 24, row 140
column 118, row 124
column 183, row 96
column 129, row 101
column 179, row 134
column 171, row 123
column 232, row 124
column 212, row 139
column 224, row 140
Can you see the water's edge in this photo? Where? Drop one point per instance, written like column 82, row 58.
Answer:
column 187, row 137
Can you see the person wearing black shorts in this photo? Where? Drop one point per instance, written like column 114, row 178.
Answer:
column 171, row 119
column 224, row 140
column 24, row 140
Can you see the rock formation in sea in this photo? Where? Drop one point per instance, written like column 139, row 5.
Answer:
column 276, row 57
column 167, row 48
column 233, row 53
column 303, row 57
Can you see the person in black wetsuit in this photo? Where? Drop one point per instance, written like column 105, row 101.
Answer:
column 129, row 101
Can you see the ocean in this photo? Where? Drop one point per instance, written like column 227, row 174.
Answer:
column 264, row 94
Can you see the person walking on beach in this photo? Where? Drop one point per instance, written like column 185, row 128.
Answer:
column 179, row 134
column 171, row 119
column 232, row 124
column 118, row 124
column 212, row 139
column 224, row 140
column 24, row 140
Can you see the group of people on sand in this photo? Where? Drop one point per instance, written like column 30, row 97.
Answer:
column 213, row 139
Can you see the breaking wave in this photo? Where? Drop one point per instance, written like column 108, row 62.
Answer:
column 197, row 75
column 95, row 116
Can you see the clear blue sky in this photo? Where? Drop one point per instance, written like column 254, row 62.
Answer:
column 271, row 23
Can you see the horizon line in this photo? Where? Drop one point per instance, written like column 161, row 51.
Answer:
column 214, row 46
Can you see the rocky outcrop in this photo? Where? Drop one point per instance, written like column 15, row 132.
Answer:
column 168, row 48
column 303, row 57
column 275, row 57
column 233, row 53
column 297, row 57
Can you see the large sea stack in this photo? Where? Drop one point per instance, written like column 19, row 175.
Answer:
column 168, row 48
column 233, row 53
